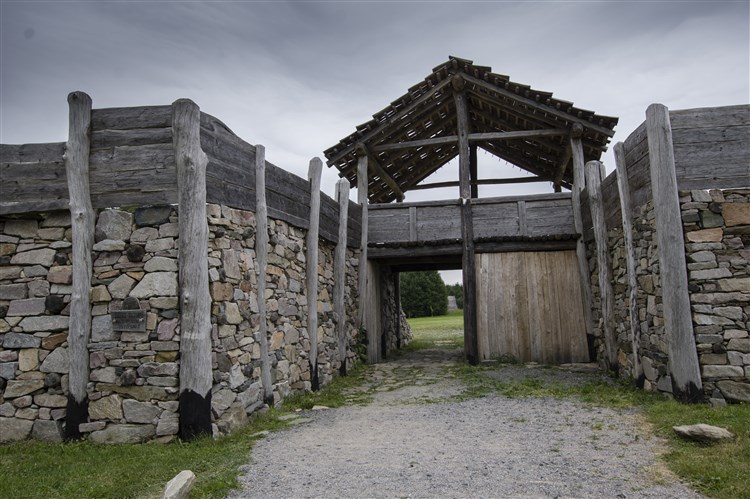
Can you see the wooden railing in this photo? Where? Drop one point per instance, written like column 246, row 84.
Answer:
column 519, row 217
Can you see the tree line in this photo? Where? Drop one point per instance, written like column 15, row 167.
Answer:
column 424, row 294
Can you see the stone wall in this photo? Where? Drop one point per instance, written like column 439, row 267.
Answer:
column 395, row 327
column 717, row 234
column 134, row 377
column 717, row 247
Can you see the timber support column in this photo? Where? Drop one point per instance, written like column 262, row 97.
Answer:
column 468, row 264
column 627, row 229
column 362, row 181
column 261, row 256
column 339, row 271
column 195, row 301
column 678, row 324
column 579, row 182
column 603, row 260
column 82, row 220
column 313, row 175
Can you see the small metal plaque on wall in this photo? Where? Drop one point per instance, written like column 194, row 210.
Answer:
column 132, row 318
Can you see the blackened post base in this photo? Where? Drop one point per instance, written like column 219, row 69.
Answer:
column 195, row 415
column 342, row 369
column 690, row 395
column 75, row 414
column 314, row 380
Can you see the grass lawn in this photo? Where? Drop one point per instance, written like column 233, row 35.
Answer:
column 444, row 331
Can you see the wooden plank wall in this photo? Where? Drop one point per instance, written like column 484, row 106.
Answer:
column 33, row 178
column 230, row 180
column 529, row 307
column 132, row 164
column 712, row 147
column 534, row 215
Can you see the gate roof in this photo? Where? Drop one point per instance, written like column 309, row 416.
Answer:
column 417, row 133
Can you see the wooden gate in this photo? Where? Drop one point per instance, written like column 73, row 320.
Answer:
column 529, row 307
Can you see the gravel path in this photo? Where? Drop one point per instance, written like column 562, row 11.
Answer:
column 413, row 441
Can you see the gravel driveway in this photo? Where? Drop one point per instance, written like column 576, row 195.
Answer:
column 416, row 440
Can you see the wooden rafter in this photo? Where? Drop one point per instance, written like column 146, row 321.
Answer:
column 374, row 165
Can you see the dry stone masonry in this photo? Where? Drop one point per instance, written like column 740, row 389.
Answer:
column 134, row 375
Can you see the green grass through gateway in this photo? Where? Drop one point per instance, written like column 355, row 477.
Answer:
column 443, row 331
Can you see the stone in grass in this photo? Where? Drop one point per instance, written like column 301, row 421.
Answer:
column 179, row 487
column 703, row 433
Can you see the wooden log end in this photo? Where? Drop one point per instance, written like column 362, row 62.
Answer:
column 79, row 97
column 576, row 131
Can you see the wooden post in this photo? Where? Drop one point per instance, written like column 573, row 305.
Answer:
column 362, row 181
column 468, row 265
column 195, row 300
column 261, row 255
column 579, row 182
column 313, row 175
column 397, row 299
column 473, row 171
column 627, row 230
column 339, row 271
column 82, row 220
column 594, row 186
column 683, row 355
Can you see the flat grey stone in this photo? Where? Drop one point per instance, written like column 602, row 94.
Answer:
column 115, row 224
column 124, row 434
column 148, row 369
column 110, row 245
column 56, row 362
column 14, row 430
column 120, row 287
column 25, row 229
column 44, row 257
column 19, row 388
column 703, row 433
column 156, row 284
column 140, row 412
column 12, row 291
column 101, row 329
column 161, row 264
column 30, row 306
column 21, row 340
column 44, row 323
column 109, row 408
column 47, row 431
column 152, row 215
column 8, row 370
column 180, row 486
column 734, row 390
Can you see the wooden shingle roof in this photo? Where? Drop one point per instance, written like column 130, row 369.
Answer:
column 495, row 104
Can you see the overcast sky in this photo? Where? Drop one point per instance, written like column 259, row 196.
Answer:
column 299, row 76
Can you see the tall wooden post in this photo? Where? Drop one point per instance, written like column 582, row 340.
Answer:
column 627, row 230
column 82, row 220
column 468, row 264
column 261, row 255
column 339, row 271
column 473, row 174
column 683, row 356
column 313, row 175
column 606, row 292
column 362, row 181
column 579, row 182
column 195, row 301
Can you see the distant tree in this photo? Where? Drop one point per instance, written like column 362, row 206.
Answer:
column 423, row 294
column 456, row 290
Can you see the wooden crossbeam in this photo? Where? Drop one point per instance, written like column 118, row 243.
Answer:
column 487, row 181
column 473, row 137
